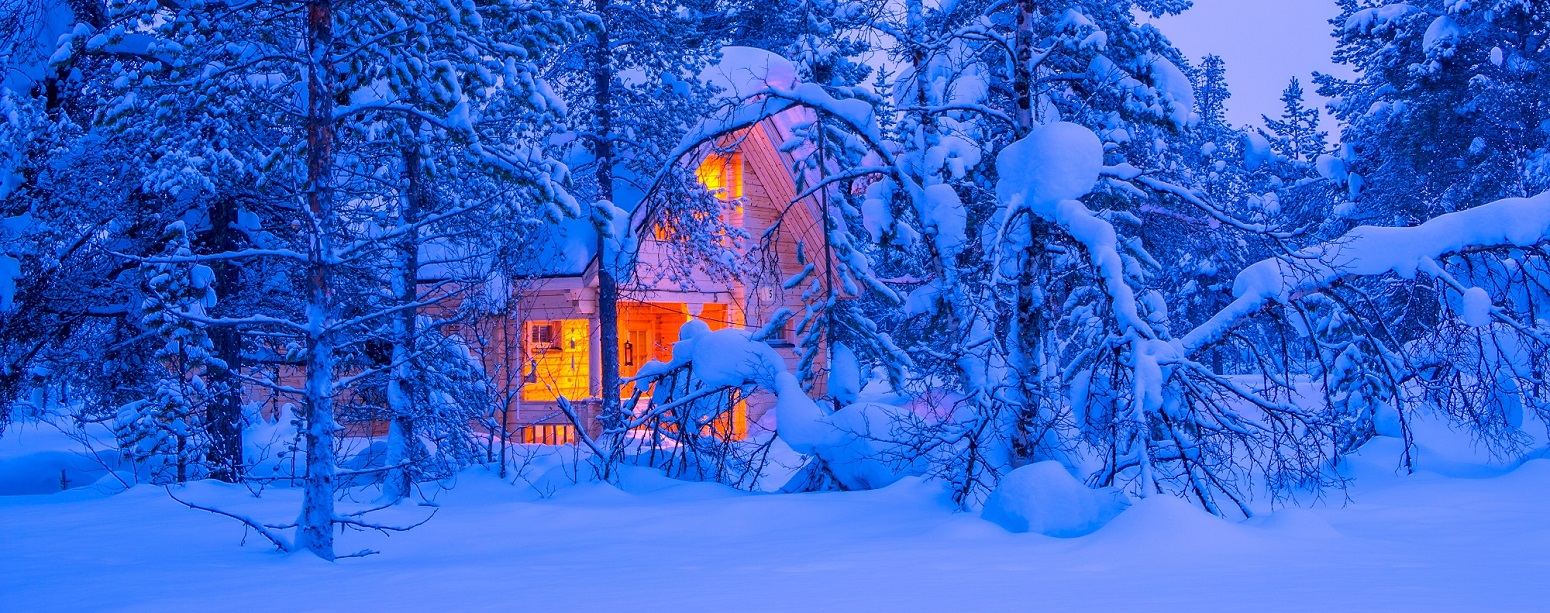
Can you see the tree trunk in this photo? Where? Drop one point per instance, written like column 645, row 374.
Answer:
column 223, row 418
column 1022, row 78
column 315, row 528
column 607, row 288
column 1031, row 325
column 400, row 394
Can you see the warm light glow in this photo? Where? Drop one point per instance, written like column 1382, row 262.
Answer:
column 722, row 174
column 558, row 354
column 549, row 435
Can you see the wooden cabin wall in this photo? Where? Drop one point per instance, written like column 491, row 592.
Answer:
column 770, row 190
column 496, row 340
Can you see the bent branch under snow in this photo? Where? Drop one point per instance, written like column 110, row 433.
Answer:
column 1372, row 250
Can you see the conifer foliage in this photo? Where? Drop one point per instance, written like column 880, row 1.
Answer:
column 1042, row 240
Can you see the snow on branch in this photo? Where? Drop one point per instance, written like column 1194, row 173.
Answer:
column 1371, row 250
column 1046, row 172
column 769, row 89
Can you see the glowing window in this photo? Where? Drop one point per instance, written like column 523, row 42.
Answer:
column 722, row 174
column 558, row 360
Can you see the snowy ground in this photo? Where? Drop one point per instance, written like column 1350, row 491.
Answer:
column 1460, row 537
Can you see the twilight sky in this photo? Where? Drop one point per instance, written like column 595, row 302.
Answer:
column 1265, row 43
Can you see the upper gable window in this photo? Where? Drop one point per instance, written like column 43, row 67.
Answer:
column 722, row 175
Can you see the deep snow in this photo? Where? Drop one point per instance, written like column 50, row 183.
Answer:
column 1462, row 536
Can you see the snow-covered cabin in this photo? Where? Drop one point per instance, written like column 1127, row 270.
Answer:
column 550, row 343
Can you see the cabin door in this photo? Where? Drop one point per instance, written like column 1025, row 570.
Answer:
column 647, row 332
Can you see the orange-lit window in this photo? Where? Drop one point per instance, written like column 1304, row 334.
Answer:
column 549, row 435
column 722, row 174
column 558, row 360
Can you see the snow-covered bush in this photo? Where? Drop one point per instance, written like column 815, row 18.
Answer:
column 1045, row 498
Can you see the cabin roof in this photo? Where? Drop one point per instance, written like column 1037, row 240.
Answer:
column 569, row 248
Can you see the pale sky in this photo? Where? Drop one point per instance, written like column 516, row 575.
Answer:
column 1265, row 43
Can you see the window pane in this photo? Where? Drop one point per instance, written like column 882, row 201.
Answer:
column 563, row 360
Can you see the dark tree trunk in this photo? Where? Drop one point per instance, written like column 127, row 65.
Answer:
column 223, row 417
column 607, row 285
column 401, row 396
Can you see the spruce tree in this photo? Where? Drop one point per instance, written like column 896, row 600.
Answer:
column 1297, row 134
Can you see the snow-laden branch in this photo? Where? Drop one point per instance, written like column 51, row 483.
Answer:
column 1371, row 250
column 212, row 257
column 1194, row 198
column 265, row 530
column 1046, row 172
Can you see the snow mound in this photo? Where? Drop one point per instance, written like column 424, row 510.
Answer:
column 1056, row 162
column 1440, row 35
column 1331, row 167
column 1046, row 499
column 730, row 358
column 745, row 71
column 37, row 458
column 1256, row 151
column 723, row 358
column 867, row 454
column 1296, row 523
column 1163, row 521
column 47, row 472
column 1174, row 87
column 798, row 420
column 859, row 444
column 844, row 375
column 1475, row 309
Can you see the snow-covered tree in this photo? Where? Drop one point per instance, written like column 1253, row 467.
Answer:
column 324, row 85
column 1037, row 300
column 166, row 432
column 1296, row 134
column 69, row 201
column 1440, row 116
column 1435, row 122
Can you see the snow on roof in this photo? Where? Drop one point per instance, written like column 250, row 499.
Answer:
column 745, row 71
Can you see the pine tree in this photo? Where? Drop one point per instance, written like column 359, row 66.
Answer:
column 367, row 70
column 71, row 202
column 1441, row 115
column 1211, row 94
column 1297, row 134
column 166, row 433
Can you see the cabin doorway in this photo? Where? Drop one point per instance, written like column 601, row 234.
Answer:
column 647, row 331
